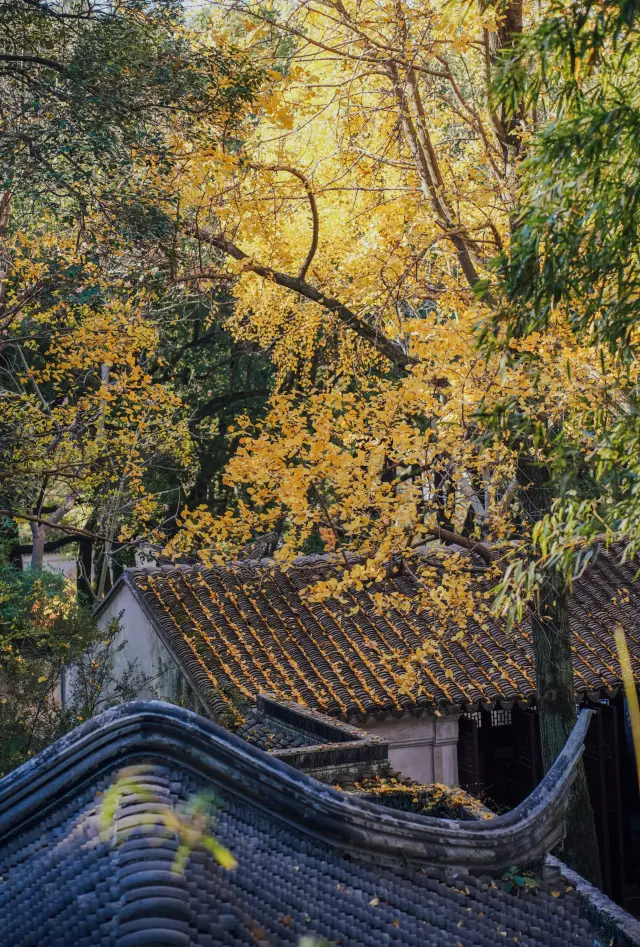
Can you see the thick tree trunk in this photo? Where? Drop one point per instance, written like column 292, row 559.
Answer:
column 557, row 715
column 554, row 675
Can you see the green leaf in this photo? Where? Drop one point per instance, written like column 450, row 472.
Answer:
column 221, row 854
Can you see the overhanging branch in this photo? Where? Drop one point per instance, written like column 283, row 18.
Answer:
column 53, row 546
column 448, row 536
column 36, row 60
column 391, row 350
column 76, row 531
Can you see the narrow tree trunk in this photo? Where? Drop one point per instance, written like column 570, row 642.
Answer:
column 104, row 571
column 9, row 536
column 84, row 564
column 39, row 533
column 554, row 681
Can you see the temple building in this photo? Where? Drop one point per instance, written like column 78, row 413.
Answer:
column 215, row 639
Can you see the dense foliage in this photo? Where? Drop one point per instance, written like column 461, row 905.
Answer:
column 49, row 640
column 573, row 258
column 101, row 107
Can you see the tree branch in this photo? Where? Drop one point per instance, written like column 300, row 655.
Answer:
column 447, row 536
column 312, row 202
column 205, row 275
column 419, row 141
column 52, row 546
column 37, row 60
column 224, row 401
column 41, row 521
column 391, row 350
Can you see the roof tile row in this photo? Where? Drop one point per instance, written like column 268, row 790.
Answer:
column 250, row 628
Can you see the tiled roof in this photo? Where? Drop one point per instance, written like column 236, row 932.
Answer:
column 250, row 628
column 279, row 725
column 357, row 776
column 65, row 881
column 347, row 758
column 268, row 737
column 328, row 749
column 448, row 802
column 333, row 762
column 371, row 785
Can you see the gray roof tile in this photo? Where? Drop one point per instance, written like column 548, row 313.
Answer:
column 64, row 883
column 249, row 627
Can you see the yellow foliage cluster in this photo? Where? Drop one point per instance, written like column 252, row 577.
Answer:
column 356, row 228
column 88, row 417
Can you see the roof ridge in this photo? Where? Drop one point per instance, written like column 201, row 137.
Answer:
column 177, row 735
column 307, row 560
column 329, row 559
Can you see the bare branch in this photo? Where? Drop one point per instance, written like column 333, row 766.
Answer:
column 417, row 136
column 41, row 521
column 312, row 202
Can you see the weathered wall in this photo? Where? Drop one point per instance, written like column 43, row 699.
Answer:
column 143, row 646
column 423, row 748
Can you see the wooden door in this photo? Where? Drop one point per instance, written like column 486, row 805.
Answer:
column 469, row 768
column 527, row 769
column 497, row 757
column 602, row 765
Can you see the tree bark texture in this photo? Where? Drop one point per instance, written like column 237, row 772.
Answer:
column 554, row 682
column 38, row 532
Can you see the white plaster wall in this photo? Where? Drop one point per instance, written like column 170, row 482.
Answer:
column 422, row 748
column 55, row 562
column 142, row 645
column 445, row 751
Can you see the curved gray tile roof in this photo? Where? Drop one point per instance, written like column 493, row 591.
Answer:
column 310, row 860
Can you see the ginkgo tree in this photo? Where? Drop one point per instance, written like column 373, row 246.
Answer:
column 356, row 228
column 87, row 418
column 100, row 102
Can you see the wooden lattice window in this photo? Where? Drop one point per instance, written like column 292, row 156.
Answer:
column 500, row 718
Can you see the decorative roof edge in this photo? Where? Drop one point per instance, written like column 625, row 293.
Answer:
column 338, row 745
column 613, row 923
column 154, row 729
column 307, row 720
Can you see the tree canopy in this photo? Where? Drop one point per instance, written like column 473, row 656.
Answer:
column 357, row 230
column 102, row 104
